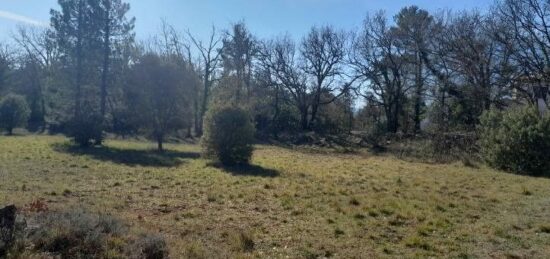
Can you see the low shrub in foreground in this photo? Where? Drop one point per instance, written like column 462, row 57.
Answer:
column 80, row 234
column 228, row 135
column 516, row 141
column 76, row 234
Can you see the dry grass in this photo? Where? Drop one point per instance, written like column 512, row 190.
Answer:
column 289, row 203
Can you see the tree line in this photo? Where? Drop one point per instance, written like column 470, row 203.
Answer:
column 87, row 75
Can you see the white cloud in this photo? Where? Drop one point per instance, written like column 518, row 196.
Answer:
column 22, row 19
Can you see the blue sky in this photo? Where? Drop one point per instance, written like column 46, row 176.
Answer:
column 265, row 18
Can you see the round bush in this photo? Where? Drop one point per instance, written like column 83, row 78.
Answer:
column 228, row 135
column 14, row 112
column 516, row 141
column 86, row 129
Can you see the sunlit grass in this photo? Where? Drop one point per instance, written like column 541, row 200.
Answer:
column 289, row 203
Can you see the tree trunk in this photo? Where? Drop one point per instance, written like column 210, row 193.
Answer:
column 350, row 122
column 276, row 114
column 41, row 98
column 418, row 95
column 393, row 119
column 316, row 103
column 303, row 119
column 106, row 57
column 43, row 108
column 189, row 132
column 196, row 112
column 78, row 82
column 159, row 143
column 206, row 92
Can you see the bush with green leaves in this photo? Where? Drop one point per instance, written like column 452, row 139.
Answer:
column 14, row 112
column 229, row 135
column 86, row 129
column 517, row 141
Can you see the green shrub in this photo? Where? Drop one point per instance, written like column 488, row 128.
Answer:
column 86, row 129
column 14, row 112
column 229, row 135
column 516, row 141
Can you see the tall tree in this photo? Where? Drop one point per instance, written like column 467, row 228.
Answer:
column 280, row 60
column 6, row 65
column 29, row 83
column 157, row 95
column 211, row 57
column 323, row 50
column 379, row 61
column 117, row 32
column 414, row 26
column 480, row 64
column 36, row 70
column 176, row 47
column 238, row 53
column 77, row 28
column 528, row 34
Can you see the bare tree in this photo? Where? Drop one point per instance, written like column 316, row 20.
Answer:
column 469, row 67
column 6, row 64
column 481, row 65
column 323, row 51
column 40, row 55
column 281, row 61
column 379, row 62
column 313, row 75
column 528, row 35
column 211, row 59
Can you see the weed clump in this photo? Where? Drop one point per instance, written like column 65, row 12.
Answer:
column 76, row 234
column 150, row 247
column 81, row 234
column 242, row 241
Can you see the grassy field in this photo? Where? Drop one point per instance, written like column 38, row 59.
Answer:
column 290, row 203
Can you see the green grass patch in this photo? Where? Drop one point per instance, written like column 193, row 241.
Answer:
column 288, row 203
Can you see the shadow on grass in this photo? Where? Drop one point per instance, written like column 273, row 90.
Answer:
column 130, row 157
column 248, row 170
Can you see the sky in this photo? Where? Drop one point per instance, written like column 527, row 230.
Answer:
column 265, row 18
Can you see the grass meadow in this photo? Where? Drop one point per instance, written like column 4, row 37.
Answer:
column 290, row 203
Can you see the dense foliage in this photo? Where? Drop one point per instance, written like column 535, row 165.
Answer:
column 517, row 141
column 412, row 75
column 228, row 135
column 14, row 112
column 86, row 129
column 157, row 96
